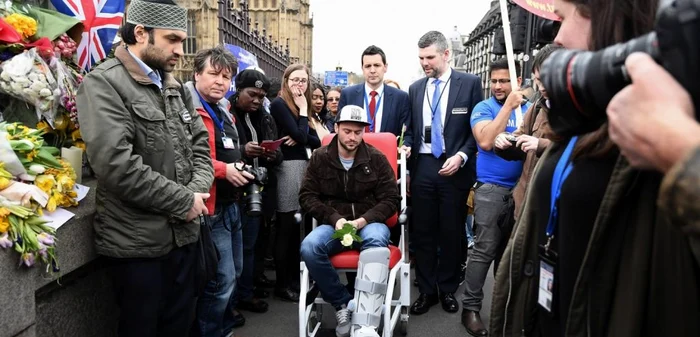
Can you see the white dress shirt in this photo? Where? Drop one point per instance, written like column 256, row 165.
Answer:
column 426, row 147
column 379, row 105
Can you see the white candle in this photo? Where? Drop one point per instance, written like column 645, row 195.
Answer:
column 74, row 156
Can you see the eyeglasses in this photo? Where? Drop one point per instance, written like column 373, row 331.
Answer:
column 333, row 99
column 500, row 80
column 299, row 80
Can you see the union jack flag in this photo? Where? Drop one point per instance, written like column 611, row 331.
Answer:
column 101, row 19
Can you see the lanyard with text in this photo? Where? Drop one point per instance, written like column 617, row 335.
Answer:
column 376, row 108
column 561, row 172
column 227, row 142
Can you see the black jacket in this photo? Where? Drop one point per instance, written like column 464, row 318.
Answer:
column 368, row 190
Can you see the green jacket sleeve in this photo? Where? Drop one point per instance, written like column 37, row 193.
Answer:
column 203, row 170
column 108, row 131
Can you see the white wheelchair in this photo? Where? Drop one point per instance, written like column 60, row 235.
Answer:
column 394, row 314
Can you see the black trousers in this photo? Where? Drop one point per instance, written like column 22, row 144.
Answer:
column 156, row 296
column 439, row 213
column 287, row 245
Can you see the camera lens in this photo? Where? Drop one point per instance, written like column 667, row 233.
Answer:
column 580, row 84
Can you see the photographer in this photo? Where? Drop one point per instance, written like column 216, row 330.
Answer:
column 255, row 127
column 590, row 222
column 213, row 71
column 668, row 142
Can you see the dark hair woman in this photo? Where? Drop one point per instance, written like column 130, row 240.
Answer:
column 590, row 224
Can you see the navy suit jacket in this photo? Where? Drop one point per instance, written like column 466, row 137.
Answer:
column 465, row 92
column 394, row 105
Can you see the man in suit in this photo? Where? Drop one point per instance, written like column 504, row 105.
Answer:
column 442, row 170
column 387, row 107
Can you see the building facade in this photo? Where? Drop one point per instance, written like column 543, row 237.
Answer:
column 286, row 22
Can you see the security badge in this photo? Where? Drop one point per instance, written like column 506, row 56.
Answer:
column 545, row 294
column 228, row 143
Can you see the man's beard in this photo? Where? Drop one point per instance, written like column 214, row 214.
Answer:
column 347, row 148
column 155, row 59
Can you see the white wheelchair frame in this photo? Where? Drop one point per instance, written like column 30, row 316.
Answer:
column 396, row 311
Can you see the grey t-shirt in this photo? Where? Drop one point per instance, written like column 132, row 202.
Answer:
column 347, row 163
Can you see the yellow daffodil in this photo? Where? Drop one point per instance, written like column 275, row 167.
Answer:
column 4, row 183
column 45, row 182
column 4, row 224
column 76, row 135
column 43, row 126
column 65, row 183
column 53, row 202
column 4, row 212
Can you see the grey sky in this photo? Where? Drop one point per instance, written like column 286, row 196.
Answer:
column 344, row 28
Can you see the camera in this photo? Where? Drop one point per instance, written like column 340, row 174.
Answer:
column 580, row 84
column 253, row 198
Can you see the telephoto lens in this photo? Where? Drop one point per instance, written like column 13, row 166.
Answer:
column 580, row 84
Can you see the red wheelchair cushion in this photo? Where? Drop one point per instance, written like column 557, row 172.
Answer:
column 349, row 259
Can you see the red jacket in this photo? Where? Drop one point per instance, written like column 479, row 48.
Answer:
column 219, row 166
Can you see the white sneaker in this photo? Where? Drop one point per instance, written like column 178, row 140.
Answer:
column 344, row 318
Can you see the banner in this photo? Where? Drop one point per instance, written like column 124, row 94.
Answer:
column 245, row 60
column 541, row 8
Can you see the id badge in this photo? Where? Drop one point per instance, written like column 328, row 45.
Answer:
column 228, row 143
column 545, row 294
column 428, row 134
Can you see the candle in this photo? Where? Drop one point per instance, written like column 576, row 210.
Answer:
column 74, row 156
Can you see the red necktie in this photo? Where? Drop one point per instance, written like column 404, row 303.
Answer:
column 372, row 109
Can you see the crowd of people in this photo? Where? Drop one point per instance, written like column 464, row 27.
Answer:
column 589, row 233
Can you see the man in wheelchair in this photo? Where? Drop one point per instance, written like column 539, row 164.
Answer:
column 348, row 181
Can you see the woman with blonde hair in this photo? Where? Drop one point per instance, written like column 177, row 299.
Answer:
column 292, row 111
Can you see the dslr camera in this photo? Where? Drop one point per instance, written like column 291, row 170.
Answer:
column 253, row 198
column 580, row 84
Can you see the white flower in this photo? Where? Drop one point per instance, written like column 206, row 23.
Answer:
column 347, row 240
column 36, row 168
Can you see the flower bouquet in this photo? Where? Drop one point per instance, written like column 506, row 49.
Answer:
column 27, row 77
column 52, row 175
column 347, row 235
column 23, row 229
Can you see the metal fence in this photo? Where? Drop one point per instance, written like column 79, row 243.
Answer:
column 235, row 29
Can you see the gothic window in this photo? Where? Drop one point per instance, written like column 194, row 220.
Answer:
column 257, row 4
column 190, row 44
column 274, row 3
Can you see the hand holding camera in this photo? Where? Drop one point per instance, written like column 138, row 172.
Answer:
column 652, row 120
column 236, row 174
column 504, row 141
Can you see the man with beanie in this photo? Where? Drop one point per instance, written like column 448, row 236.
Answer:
column 254, row 126
column 149, row 151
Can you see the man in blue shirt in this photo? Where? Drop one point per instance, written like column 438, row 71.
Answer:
column 496, row 178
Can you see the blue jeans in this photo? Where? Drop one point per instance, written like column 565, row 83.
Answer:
column 470, row 230
column 317, row 248
column 211, row 306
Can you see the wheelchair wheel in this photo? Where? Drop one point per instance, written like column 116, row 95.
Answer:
column 315, row 318
column 403, row 322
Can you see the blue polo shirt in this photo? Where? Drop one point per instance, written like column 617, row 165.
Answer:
column 490, row 168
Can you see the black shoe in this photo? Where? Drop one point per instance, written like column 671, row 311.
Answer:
column 253, row 305
column 260, row 293
column 449, row 303
column 423, row 304
column 287, row 295
column 472, row 322
column 264, row 282
column 238, row 319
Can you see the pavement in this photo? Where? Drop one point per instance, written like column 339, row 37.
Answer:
column 281, row 319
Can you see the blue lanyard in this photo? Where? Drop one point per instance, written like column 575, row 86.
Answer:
column 376, row 109
column 218, row 123
column 561, row 172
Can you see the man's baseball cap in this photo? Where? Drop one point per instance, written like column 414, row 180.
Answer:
column 352, row 113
